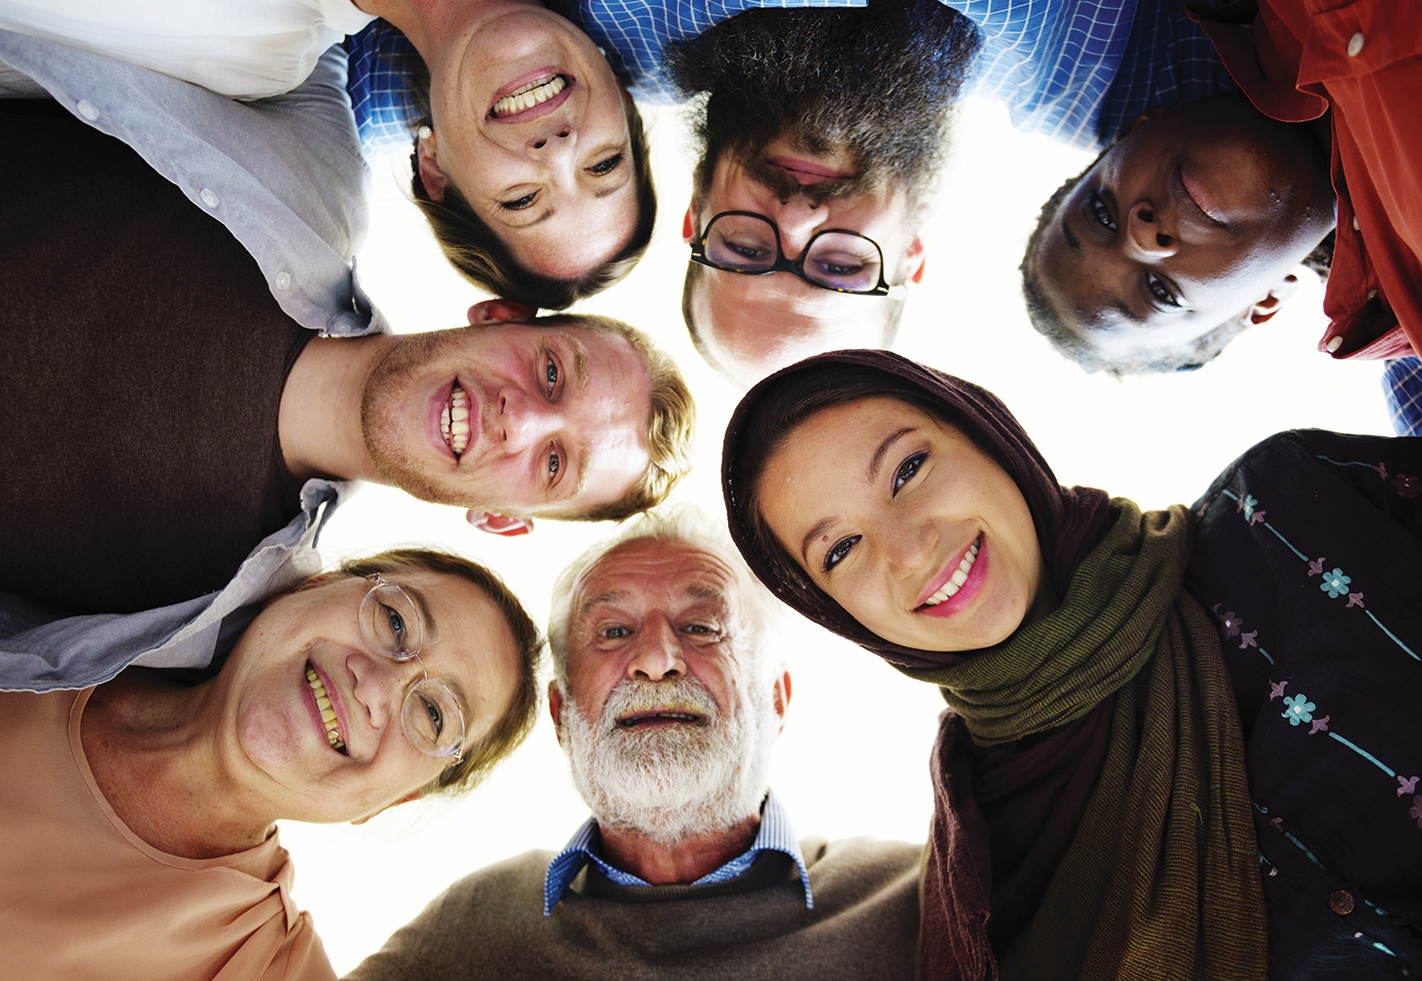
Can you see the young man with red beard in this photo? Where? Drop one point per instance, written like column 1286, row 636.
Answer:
column 668, row 701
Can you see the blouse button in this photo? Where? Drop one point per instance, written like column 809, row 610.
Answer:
column 283, row 280
column 1341, row 902
column 1355, row 224
column 1334, row 343
column 88, row 110
column 1355, row 44
column 208, row 197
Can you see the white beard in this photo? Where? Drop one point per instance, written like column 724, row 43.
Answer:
column 678, row 781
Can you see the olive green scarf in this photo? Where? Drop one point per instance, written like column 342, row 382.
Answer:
column 1161, row 880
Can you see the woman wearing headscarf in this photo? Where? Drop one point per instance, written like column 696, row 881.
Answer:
column 1117, row 795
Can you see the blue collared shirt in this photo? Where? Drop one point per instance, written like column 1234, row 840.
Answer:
column 1402, row 383
column 775, row 835
column 1077, row 71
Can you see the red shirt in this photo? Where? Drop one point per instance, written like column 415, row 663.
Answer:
column 1296, row 60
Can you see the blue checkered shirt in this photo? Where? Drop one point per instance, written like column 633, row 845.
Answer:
column 1402, row 384
column 775, row 835
column 1074, row 70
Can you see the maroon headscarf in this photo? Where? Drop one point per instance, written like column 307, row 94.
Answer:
column 1069, row 521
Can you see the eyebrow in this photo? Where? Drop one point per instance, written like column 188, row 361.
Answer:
column 1071, row 239
column 814, row 532
column 877, row 460
column 580, row 359
column 592, row 601
column 465, row 706
column 431, row 627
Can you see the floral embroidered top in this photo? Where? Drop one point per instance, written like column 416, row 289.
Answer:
column 1309, row 554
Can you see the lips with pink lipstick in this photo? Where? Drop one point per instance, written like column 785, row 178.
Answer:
column 1199, row 196
column 531, row 96
column 330, row 721
column 958, row 584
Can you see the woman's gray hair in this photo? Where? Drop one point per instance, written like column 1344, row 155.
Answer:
column 758, row 615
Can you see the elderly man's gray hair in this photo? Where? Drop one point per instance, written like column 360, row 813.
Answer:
column 757, row 612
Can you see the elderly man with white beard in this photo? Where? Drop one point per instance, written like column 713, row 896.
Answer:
column 668, row 699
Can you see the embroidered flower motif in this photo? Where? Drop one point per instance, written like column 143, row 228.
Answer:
column 1335, row 584
column 1408, row 785
column 1257, row 517
column 1381, row 468
column 1407, row 485
column 1299, row 710
column 1278, row 823
column 1416, row 811
column 1355, row 599
column 1230, row 624
column 1247, row 640
column 1276, row 688
column 1316, row 566
column 1319, row 725
column 1246, row 504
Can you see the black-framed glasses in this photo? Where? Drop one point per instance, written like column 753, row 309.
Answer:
column 835, row 259
column 390, row 624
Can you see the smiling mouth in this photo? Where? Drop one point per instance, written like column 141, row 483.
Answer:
column 454, row 421
column 328, row 713
column 535, row 93
column 959, row 576
column 661, row 716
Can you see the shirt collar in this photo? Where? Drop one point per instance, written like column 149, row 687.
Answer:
column 775, row 834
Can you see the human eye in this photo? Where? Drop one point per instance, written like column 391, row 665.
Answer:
column 607, row 165
column 1100, row 211
column 433, row 716
column 1160, row 291
column 555, row 465
column 839, row 550
column 395, row 623
column 614, row 633
column 908, row 470
column 838, row 265
column 749, row 248
column 551, row 375
column 519, row 204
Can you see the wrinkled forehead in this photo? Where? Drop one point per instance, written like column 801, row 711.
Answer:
column 652, row 571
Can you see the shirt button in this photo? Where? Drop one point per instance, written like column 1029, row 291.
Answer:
column 1372, row 294
column 1355, row 224
column 1334, row 343
column 1341, row 901
column 1355, row 44
column 208, row 197
column 283, row 280
column 88, row 110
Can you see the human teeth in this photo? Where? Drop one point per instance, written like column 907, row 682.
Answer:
column 532, row 94
column 328, row 714
column 454, row 420
column 960, row 576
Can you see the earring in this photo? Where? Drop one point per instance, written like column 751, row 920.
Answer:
column 425, row 132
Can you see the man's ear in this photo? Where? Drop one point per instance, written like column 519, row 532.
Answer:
column 499, row 524
column 688, row 223
column 1264, row 310
column 412, row 795
column 501, row 311
column 913, row 261
column 1154, row 112
column 430, row 175
column 555, row 709
column 781, row 696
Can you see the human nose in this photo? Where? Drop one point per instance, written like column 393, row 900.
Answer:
column 380, row 686
column 798, row 219
column 909, row 548
column 1147, row 235
column 526, row 421
column 656, row 654
column 554, row 143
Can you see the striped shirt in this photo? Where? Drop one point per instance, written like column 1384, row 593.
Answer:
column 775, row 834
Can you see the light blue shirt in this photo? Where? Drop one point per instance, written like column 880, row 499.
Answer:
column 39, row 653
column 775, row 835
column 285, row 175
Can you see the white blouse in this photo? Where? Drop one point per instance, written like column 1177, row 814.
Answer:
column 244, row 49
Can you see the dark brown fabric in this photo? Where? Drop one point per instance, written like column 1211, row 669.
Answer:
column 143, row 359
column 1069, row 521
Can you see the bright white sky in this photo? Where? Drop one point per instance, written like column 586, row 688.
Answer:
column 854, row 756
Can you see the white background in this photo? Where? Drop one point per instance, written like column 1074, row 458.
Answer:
column 853, row 759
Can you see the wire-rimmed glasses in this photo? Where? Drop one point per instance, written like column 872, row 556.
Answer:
column 390, row 624
column 835, row 259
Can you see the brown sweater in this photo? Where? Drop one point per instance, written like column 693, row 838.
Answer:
column 490, row 924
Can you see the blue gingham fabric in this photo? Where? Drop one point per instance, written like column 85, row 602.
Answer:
column 1402, row 384
column 1073, row 70
column 775, row 834
column 379, row 84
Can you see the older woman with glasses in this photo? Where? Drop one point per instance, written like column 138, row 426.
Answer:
column 141, row 813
